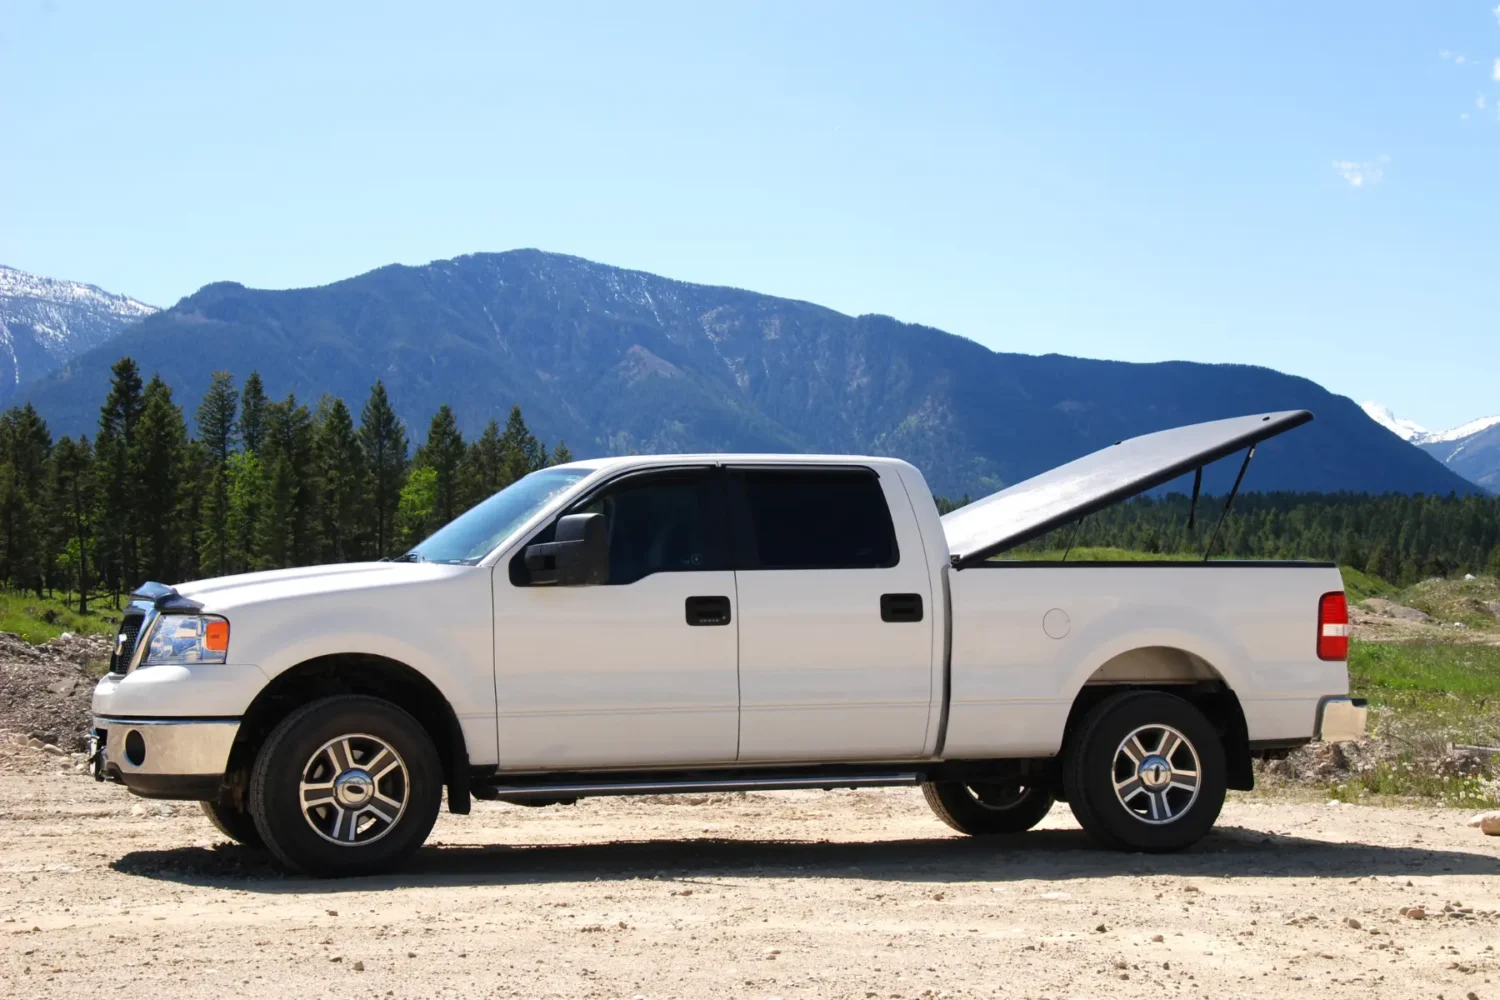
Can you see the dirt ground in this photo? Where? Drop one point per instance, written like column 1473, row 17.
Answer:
column 798, row 894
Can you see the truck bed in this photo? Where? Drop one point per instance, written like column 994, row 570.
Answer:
column 1027, row 636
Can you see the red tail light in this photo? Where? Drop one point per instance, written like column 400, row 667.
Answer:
column 1333, row 627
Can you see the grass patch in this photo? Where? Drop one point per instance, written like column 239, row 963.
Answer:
column 37, row 619
column 1359, row 585
column 1401, row 673
column 1424, row 698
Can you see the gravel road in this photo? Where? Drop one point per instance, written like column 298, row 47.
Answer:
column 798, row 894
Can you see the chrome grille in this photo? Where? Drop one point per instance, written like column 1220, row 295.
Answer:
column 130, row 628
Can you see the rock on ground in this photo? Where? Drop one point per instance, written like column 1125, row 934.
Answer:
column 1391, row 609
column 1488, row 823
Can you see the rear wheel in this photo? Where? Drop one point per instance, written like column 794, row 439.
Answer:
column 233, row 822
column 1145, row 772
column 987, row 808
column 349, row 785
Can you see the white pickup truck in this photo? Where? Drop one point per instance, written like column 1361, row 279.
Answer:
column 676, row 623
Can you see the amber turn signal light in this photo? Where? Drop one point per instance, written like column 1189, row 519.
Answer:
column 216, row 637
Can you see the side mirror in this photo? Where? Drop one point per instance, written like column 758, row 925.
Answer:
column 578, row 555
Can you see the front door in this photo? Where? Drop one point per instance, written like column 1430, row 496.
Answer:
column 642, row 669
column 836, row 617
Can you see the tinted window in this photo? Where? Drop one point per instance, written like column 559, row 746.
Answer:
column 669, row 522
column 813, row 519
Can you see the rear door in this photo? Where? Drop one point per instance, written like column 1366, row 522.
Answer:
column 835, row 614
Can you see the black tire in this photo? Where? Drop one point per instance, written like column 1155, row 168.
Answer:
column 328, row 741
column 989, row 808
column 1137, row 817
column 234, row 823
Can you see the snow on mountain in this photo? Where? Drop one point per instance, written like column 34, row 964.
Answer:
column 1410, row 430
column 1406, row 430
column 1472, row 450
column 45, row 322
column 1460, row 432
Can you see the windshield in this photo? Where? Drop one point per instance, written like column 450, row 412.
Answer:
column 476, row 532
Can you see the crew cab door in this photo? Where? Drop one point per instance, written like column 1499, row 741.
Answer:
column 835, row 613
column 641, row 669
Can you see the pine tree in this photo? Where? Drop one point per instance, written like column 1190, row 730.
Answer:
column 158, row 459
column 252, row 412
column 522, row 451
column 246, row 498
column 25, row 448
column 217, row 431
column 414, row 511
column 191, row 514
column 1382, row 564
column 442, row 453
column 216, row 419
column 384, row 442
column 560, row 455
column 71, row 499
column 119, row 504
column 341, row 476
column 483, row 470
column 286, row 532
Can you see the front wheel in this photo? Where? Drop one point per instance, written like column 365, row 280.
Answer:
column 1145, row 772
column 988, row 808
column 349, row 785
column 233, row 822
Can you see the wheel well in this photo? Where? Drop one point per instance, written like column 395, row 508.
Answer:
column 1186, row 675
column 352, row 673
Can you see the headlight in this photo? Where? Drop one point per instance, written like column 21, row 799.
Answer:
column 187, row 639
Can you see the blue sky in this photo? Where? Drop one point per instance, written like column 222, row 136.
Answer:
column 1311, row 187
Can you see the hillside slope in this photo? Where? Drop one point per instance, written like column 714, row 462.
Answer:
column 45, row 321
column 614, row 360
column 1475, row 455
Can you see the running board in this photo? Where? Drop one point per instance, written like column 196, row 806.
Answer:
column 828, row 782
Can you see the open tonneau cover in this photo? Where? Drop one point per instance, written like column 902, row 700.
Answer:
column 1034, row 507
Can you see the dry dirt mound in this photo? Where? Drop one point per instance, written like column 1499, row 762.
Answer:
column 1380, row 620
column 45, row 690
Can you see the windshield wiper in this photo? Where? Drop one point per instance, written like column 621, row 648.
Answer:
column 412, row 557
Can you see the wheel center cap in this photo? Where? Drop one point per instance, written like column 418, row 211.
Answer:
column 354, row 788
column 1155, row 772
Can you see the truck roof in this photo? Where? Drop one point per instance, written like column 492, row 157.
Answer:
column 721, row 458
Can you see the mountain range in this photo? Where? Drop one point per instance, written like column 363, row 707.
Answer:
column 613, row 360
column 44, row 322
column 1472, row 450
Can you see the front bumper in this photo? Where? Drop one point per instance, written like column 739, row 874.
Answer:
column 163, row 758
column 1341, row 720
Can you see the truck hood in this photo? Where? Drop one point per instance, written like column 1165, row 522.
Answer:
column 225, row 593
column 1034, row 507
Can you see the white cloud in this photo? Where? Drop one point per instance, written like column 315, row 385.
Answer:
column 1460, row 59
column 1362, row 173
column 1479, row 101
column 1496, row 12
column 1496, row 74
